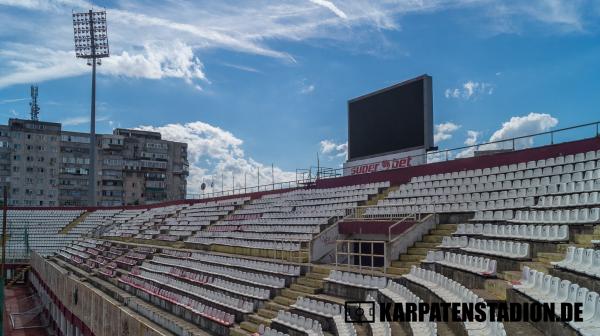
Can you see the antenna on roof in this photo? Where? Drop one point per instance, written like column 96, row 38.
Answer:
column 35, row 109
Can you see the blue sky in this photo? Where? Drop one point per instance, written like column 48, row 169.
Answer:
column 250, row 83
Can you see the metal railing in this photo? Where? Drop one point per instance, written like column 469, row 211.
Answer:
column 573, row 133
column 248, row 190
column 360, row 212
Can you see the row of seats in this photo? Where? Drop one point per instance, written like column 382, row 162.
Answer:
column 582, row 260
column 573, row 216
column 378, row 327
column 559, row 160
column 400, row 294
column 479, row 265
column 508, row 205
column 266, row 245
column 297, row 322
column 256, row 235
column 545, row 288
column 157, row 317
column 342, row 328
column 250, row 264
column 317, row 307
column 528, row 232
column 266, row 331
column 356, row 279
column 569, row 200
column 525, row 195
column 228, row 286
column 227, row 272
column 501, row 248
column 213, row 297
column 185, row 301
column 451, row 291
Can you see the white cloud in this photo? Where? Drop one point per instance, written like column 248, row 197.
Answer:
column 444, row 131
column 13, row 100
column 338, row 150
column 331, row 6
column 157, row 60
column 213, row 153
column 470, row 90
column 471, row 140
column 515, row 127
column 307, row 89
column 472, row 137
column 142, row 35
column 241, row 67
column 520, row 126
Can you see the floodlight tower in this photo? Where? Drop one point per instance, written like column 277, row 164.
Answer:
column 91, row 43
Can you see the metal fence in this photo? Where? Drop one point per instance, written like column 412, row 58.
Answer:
column 310, row 175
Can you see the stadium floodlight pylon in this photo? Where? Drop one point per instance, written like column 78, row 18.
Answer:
column 91, row 43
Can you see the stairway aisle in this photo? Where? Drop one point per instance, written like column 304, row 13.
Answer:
column 309, row 284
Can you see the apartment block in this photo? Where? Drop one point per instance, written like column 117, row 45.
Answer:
column 44, row 165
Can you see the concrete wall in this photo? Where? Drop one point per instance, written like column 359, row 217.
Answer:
column 77, row 305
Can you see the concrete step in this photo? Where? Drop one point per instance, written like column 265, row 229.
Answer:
column 267, row 313
column 396, row 329
column 496, row 288
column 432, row 238
column 308, row 282
column 444, row 330
column 510, row 276
column 250, row 327
column 426, row 244
column 521, row 329
column 238, row 331
column 258, row 320
column 321, row 269
column 284, row 301
column 398, row 270
column 305, row 289
column 411, row 257
column 405, row 264
column 562, row 248
column 316, row 276
column 291, row 294
column 447, row 227
column 548, row 257
column 441, row 232
column 328, row 298
column 275, row 306
column 422, row 251
column 585, row 238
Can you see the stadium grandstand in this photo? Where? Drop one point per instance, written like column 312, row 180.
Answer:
column 517, row 226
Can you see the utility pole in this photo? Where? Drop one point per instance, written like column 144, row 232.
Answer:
column 3, row 282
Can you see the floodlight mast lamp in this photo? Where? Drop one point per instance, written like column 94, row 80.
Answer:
column 91, row 42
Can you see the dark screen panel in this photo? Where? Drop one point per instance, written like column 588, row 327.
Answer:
column 388, row 120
